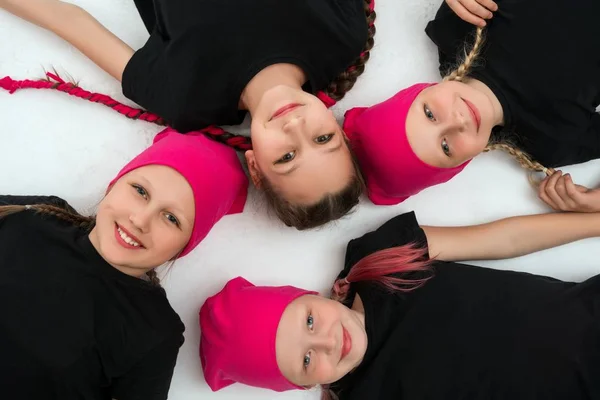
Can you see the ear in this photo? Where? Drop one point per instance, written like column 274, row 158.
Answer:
column 253, row 168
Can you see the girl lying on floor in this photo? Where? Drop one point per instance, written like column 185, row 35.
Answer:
column 405, row 321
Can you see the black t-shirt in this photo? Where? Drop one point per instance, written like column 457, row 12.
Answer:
column 474, row 333
column 201, row 54
column 71, row 325
column 541, row 59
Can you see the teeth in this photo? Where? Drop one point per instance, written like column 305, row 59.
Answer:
column 127, row 239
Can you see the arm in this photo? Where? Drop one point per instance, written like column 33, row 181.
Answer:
column 510, row 237
column 77, row 27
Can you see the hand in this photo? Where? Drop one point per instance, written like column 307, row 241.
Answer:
column 560, row 193
column 473, row 11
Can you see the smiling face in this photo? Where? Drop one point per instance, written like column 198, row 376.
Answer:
column 319, row 340
column 450, row 123
column 298, row 146
column 145, row 219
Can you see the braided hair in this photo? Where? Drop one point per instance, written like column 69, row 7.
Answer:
column 330, row 207
column 459, row 75
column 68, row 214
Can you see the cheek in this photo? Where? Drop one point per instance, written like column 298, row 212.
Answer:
column 327, row 372
column 168, row 241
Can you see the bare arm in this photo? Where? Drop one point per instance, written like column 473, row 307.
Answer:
column 510, row 237
column 77, row 27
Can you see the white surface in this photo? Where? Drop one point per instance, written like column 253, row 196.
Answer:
column 52, row 143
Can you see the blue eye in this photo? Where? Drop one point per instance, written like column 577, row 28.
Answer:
column 287, row 157
column 172, row 219
column 141, row 191
column 445, row 148
column 324, row 138
column 428, row 113
column 306, row 361
column 309, row 322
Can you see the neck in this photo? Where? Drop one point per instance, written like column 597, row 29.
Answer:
column 132, row 271
column 497, row 107
column 268, row 78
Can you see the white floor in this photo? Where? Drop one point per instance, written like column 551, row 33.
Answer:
column 51, row 143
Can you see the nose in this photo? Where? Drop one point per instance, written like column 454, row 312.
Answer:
column 457, row 121
column 294, row 125
column 141, row 219
column 325, row 342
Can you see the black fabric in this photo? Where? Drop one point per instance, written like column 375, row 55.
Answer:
column 474, row 333
column 541, row 60
column 201, row 54
column 71, row 325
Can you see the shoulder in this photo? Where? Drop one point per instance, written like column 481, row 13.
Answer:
column 401, row 230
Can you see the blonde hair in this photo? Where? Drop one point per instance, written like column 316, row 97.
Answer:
column 459, row 75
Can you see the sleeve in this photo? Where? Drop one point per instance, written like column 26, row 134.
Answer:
column 28, row 200
column 165, row 78
column 150, row 378
column 401, row 230
column 146, row 78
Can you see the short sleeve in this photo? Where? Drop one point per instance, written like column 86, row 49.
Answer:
column 30, row 200
column 401, row 230
column 146, row 78
column 150, row 378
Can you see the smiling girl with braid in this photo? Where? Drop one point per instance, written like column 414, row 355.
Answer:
column 83, row 314
column 209, row 63
column 529, row 84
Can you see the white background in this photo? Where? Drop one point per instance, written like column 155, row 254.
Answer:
column 51, row 143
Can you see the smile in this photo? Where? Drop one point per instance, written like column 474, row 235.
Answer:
column 346, row 343
column 285, row 109
column 126, row 239
column 474, row 113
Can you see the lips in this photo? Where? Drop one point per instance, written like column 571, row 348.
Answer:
column 474, row 113
column 123, row 243
column 285, row 109
column 346, row 343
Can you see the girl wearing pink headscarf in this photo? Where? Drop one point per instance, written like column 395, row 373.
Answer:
column 526, row 88
column 406, row 321
column 84, row 316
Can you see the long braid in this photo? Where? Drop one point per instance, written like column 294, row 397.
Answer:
column 335, row 91
column 459, row 74
column 153, row 278
column 71, row 216
column 346, row 80
column 54, row 81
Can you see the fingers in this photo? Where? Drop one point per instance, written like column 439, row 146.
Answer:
column 552, row 196
column 560, row 193
column 473, row 11
column 489, row 4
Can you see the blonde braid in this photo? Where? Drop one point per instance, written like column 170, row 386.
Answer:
column 523, row 159
column 461, row 72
